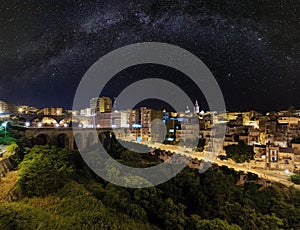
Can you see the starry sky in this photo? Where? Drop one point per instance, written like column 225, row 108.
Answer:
column 252, row 47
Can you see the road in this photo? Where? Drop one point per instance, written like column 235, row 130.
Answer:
column 271, row 175
column 275, row 176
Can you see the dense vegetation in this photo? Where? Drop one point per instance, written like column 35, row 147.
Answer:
column 201, row 145
column 240, row 152
column 5, row 137
column 295, row 178
column 60, row 192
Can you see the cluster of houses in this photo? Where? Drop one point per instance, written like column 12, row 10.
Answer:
column 274, row 137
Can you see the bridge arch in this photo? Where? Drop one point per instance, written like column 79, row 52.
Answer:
column 64, row 120
column 65, row 137
column 101, row 137
column 42, row 139
column 19, row 119
column 91, row 140
column 45, row 118
column 62, row 140
column 78, row 140
column 33, row 118
column 34, row 121
column 48, row 121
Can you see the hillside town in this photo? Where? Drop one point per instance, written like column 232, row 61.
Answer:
column 274, row 136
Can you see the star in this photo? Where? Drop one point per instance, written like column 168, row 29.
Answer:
column 41, row 43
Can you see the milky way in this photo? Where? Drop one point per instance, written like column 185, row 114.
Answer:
column 252, row 48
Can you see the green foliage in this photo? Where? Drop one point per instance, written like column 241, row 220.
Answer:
column 247, row 217
column 295, row 178
column 44, row 170
column 5, row 137
column 20, row 216
column 240, row 153
column 14, row 153
column 216, row 224
column 76, row 210
column 252, row 176
column 80, row 200
column 17, row 154
column 200, row 146
column 120, row 200
column 172, row 215
column 12, row 148
column 7, row 141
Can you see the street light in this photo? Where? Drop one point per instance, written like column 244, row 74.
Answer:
column 27, row 124
column 4, row 124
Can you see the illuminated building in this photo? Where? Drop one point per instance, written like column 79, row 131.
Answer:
column 101, row 104
column 147, row 116
column 3, row 107
column 7, row 108
column 134, row 117
column 87, row 112
column 53, row 111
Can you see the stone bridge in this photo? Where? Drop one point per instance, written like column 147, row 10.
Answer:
column 65, row 137
column 31, row 117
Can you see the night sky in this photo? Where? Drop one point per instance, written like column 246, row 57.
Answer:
column 251, row 47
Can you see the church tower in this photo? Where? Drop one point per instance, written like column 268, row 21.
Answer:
column 196, row 108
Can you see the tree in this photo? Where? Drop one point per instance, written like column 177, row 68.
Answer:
column 202, row 224
column 44, row 170
column 295, row 178
column 240, row 152
column 201, row 145
column 172, row 215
